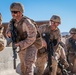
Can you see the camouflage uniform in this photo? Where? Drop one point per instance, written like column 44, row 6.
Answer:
column 41, row 59
column 71, row 50
column 26, row 36
column 2, row 38
column 59, row 50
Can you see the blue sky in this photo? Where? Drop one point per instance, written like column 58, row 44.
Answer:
column 43, row 10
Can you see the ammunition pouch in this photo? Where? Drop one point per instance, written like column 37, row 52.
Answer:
column 38, row 42
column 42, row 50
column 21, row 37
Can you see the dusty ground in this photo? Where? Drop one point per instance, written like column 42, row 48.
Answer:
column 6, row 62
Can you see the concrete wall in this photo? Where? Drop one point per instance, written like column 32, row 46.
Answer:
column 6, row 62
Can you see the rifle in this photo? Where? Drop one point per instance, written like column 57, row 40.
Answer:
column 64, row 71
column 50, row 49
column 14, row 36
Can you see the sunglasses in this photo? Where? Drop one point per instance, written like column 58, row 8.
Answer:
column 73, row 33
column 54, row 22
column 15, row 12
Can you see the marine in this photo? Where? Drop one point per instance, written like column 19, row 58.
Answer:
column 71, row 51
column 59, row 52
column 3, row 41
column 26, row 38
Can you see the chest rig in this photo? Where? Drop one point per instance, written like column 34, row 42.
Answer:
column 21, row 35
column 73, row 44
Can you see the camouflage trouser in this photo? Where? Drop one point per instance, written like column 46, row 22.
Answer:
column 40, row 63
column 27, row 59
column 72, row 61
column 74, row 68
column 54, row 69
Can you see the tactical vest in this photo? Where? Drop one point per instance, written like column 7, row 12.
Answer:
column 73, row 44
column 23, row 35
column 47, row 29
column 54, row 35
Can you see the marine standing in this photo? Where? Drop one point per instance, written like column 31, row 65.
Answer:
column 26, row 36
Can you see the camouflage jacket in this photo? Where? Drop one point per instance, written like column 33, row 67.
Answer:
column 59, row 50
column 26, row 27
column 71, row 45
column 3, row 41
column 47, row 29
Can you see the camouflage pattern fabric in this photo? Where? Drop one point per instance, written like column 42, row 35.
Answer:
column 71, row 54
column 3, row 41
column 59, row 52
column 27, row 49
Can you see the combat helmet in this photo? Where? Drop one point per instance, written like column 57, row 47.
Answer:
column 55, row 18
column 0, row 17
column 72, row 31
column 17, row 7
